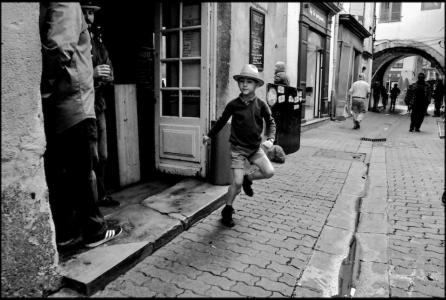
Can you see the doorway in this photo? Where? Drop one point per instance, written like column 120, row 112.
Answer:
column 314, row 75
column 128, row 34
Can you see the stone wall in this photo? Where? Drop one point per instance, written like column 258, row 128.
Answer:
column 29, row 256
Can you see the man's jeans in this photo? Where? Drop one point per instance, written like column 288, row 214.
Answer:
column 69, row 160
column 102, row 153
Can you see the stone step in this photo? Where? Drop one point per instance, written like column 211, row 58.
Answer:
column 147, row 226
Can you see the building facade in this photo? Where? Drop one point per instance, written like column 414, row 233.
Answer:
column 405, row 29
column 355, row 25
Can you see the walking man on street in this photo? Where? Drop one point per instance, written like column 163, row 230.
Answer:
column 70, row 127
column 103, row 78
column 394, row 92
column 418, row 95
column 247, row 112
column 359, row 92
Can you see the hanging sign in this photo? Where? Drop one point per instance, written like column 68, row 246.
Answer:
column 316, row 14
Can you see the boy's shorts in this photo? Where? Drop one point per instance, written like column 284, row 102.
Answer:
column 241, row 157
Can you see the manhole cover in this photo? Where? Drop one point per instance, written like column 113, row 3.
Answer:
column 340, row 155
column 373, row 139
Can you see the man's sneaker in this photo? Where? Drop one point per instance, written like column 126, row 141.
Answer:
column 70, row 244
column 247, row 186
column 108, row 235
column 226, row 215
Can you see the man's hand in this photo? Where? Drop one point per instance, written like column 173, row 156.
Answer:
column 206, row 139
column 102, row 72
column 267, row 144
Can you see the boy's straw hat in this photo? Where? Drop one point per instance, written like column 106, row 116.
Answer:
column 250, row 71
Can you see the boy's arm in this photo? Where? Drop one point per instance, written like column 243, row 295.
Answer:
column 218, row 124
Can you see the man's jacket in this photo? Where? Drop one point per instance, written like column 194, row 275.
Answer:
column 67, row 70
column 418, row 94
column 100, row 57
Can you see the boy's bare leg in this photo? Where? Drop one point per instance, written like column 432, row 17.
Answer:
column 265, row 169
column 236, row 185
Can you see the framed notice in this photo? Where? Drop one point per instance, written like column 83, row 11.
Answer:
column 256, row 38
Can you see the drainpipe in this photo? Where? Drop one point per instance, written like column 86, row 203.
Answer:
column 334, row 70
column 373, row 51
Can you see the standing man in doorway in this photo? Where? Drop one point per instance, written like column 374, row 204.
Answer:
column 359, row 92
column 70, row 127
column 103, row 79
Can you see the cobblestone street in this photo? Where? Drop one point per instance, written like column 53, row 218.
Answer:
column 415, row 172
column 276, row 231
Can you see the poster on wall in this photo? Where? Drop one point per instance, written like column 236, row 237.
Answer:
column 256, row 38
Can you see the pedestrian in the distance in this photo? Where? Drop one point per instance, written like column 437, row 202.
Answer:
column 418, row 95
column 280, row 76
column 438, row 95
column 103, row 79
column 384, row 97
column 376, row 94
column 247, row 112
column 70, row 127
column 359, row 92
column 394, row 92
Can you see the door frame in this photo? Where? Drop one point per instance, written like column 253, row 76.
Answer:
column 318, row 85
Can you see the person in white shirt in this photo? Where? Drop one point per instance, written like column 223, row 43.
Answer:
column 359, row 93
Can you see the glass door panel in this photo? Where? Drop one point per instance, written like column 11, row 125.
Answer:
column 171, row 16
column 181, row 60
column 191, row 104
column 191, row 43
column 191, row 14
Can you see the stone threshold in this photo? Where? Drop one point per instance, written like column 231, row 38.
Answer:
column 147, row 226
column 313, row 123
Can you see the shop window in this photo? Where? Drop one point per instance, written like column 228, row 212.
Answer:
column 390, row 12
column 430, row 5
column 181, row 59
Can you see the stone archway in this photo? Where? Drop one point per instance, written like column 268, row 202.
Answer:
column 387, row 52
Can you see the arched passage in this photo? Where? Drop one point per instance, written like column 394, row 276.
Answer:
column 387, row 52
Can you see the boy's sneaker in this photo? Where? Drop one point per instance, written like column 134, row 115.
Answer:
column 108, row 235
column 247, row 186
column 226, row 215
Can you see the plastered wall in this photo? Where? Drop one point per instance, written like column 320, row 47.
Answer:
column 29, row 256
column 275, row 42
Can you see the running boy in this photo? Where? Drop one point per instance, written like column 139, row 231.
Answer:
column 247, row 112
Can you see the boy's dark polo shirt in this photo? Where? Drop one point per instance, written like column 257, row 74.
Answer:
column 247, row 123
